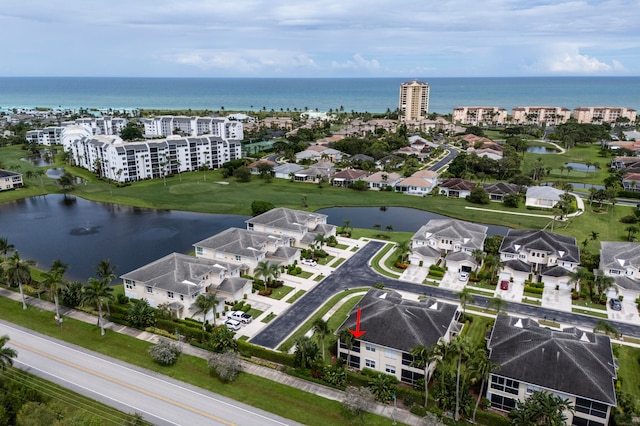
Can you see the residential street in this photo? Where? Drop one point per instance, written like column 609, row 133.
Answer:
column 355, row 272
column 162, row 400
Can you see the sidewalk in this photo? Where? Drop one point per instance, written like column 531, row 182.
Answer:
column 400, row 415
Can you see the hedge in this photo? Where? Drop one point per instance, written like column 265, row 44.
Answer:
column 436, row 273
column 248, row 349
column 534, row 290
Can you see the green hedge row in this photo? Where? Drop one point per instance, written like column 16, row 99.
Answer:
column 247, row 349
column 534, row 290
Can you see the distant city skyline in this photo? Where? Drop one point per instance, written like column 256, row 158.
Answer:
column 283, row 38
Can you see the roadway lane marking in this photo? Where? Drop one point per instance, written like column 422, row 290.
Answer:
column 121, row 383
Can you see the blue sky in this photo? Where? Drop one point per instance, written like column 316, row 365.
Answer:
column 329, row 38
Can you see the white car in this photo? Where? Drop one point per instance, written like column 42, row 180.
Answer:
column 309, row 262
column 240, row 316
column 463, row 276
column 233, row 324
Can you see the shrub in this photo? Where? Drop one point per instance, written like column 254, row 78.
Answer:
column 535, row 290
column 438, row 274
column 225, row 365
column 629, row 219
column 247, row 349
column 165, row 352
column 122, row 299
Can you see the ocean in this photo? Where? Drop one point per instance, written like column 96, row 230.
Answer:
column 352, row 94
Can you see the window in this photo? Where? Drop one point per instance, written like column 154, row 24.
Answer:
column 369, row 363
column 523, row 256
column 407, row 359
column 410, row 377
column 591, row 408
column 504, row 384
column 391, row 369
column 614, row 272
column 199, row 251
column 182, row 297
column 239, row 258
column 369, row 347
column 502, row 402
column 579, row 421
column 149, row 289
column 170, row 294
column 390, row 353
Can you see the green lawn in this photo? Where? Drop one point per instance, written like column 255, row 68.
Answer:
column 305, row 274
column 586, row 304
column 629, row 362
column 268, row 318
column 588, row 312
column 375, row 262
column 289, row 402
column 478, row 328
column 296, row 296
column 338, row 262
column 280, row 292
column 325, row 260
column 536, row 302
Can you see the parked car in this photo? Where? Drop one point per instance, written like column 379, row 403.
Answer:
column 308, row 262
column 233, row 324
column 615, row 304
column 240, row 316
column 504, row 285
column 463, row 276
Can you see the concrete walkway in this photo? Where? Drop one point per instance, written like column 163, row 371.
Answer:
column 400, row 415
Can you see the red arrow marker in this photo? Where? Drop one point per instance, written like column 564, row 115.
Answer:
column 357, row 333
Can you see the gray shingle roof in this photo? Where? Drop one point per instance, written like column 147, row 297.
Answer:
column 470, row 234
column 241, row 242
column 614, row 255
column 570, row 361
column 283, row 218
column 176, row 272
column 564, row 247
column 394, row 322
column 231, row 285
column 517, row 265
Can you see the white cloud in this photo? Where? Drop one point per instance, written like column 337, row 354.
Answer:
column 571, row 61
column 358, row 63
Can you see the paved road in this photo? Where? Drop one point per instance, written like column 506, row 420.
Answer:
column 446, row 160
column 356, row 272
column 162, row 401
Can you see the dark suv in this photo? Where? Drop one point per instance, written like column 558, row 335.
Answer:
column 615, row 304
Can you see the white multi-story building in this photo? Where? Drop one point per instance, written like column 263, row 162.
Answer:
column 48, row 136
column 414, row 100
column 603, row 114
column 479, row 115
column 115, row 159
column 540, row 114
column 105, row 125
column 168, row 125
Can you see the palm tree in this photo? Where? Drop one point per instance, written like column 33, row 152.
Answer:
column 465, row 297
column 462, row 348
column 422, row 358
column 478, row 255
column 602, row 282
column 403, row 247
column 107, row 272
column 203, row 304
column 321, row 328
column 97, row 293
column 482, row 367
column 54, row 282
column 319, row 240
column 263, row 269
column 18, row 273
column 6, row 354
column 631, row 231
column 347, row 338
column 579, row 275
column 497, row 303
column 5, row 247
column 594, row 235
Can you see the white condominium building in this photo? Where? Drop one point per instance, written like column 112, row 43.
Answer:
column 479, row 114
column 113, row 158
column 599, row 115
column 47, row 136
column 168, row 125
column 414, row 100
column 540, row 114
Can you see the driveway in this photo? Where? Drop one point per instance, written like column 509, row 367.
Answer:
column 453, row 153
column 356, row 272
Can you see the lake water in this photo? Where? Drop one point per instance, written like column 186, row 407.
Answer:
column 81, row 232
column 580, row 167
column 542, row 150
column 400, row 218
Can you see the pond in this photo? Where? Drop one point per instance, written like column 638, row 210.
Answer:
column 580, row 167
column 542, row 150
column 81, row 232
column 399, row 218
column 40, row 160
